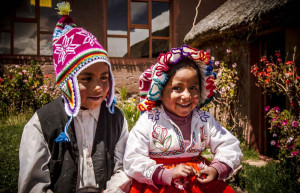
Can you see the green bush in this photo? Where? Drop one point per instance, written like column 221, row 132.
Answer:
column 129, row 108
column 274, row 177
column 23, row 87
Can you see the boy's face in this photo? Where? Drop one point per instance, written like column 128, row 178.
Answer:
column 182, row 93
column 94, row 84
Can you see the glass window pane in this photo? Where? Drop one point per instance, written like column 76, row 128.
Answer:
column 117, row 47
column 160, row 19
column 139, row 13
column 159, row 46
column 25, row 8
column 117, row 17
column 46, row 44
column 4, row 42
column 25, row 38
column 48, row 15
column 4, row 22
column 139, row 43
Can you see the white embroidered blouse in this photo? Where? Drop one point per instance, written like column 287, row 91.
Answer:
column 155, row 135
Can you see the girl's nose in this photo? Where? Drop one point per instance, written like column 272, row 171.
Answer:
column 186, row 94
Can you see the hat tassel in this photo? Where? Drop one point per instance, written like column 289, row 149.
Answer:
column 64, row 8
column 64, row 136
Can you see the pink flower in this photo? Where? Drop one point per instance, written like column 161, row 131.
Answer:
column 294, row 124
column 273, row 119
column 217, row 63
column 234, row 65
column 228, row 51
column 20, row 73
column 274, row 135
column 277, row 109
column 24, row 81
column 284, row 122
column 273, row 142
column 267, row 108
column 294, row 153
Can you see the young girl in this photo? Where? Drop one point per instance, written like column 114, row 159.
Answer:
column 76, row 143
column 163, row 152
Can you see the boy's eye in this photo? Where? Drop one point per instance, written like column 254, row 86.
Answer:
column 86, row 79
column 104, row 78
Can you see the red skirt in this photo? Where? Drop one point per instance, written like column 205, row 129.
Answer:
column 192, row 185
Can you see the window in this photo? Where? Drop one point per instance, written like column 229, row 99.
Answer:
column 29, row 30
column 138, row 28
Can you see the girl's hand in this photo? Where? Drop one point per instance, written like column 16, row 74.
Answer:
column 208, row 174
column 182, row 170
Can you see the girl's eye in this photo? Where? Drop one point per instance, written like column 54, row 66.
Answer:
column 176, row 88
column 193, row 87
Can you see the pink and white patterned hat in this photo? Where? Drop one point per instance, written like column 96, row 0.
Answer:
column 152, row 80
column 75, row 49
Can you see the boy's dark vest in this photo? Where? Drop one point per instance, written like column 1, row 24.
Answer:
column 63, row 165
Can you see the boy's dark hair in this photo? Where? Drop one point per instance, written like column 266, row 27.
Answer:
column 173, row 68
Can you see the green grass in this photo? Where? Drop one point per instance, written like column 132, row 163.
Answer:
column 11, row 128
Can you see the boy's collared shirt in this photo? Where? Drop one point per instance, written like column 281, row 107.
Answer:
column 85, row 128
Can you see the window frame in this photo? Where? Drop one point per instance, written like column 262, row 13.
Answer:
column 36, row 20
column 141, row 26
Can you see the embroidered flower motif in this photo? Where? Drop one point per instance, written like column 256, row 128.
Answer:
column 154, row 115
column 161, row 139
column 149, row 172
column 89, row 38
column 203, row 116
column 65, row 48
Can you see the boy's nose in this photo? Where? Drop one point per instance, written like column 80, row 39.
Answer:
column 97, row 86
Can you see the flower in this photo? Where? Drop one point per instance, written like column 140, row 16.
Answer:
column 234, row 65
column 294, row 153
column 273, row 142
column 212, row 58
column 290, row 139
column 228, row 51
column 24, row 80
column 277, row 109
column 284, row 122
column 289, row 62
column 217, row 63
column 274, row 135
column 267, row 108
column 294, row 124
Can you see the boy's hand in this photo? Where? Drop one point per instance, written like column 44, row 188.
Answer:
column 208, row 174
column 182, row 170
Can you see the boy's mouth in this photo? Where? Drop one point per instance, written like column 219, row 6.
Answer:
column 95, row 98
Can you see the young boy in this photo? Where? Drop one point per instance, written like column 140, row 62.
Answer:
column 76, row 142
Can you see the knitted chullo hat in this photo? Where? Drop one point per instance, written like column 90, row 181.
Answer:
column 75, row 49
column 154, row 78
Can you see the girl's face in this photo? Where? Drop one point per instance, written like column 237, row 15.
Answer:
column 94, row 83
column 182, row 93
